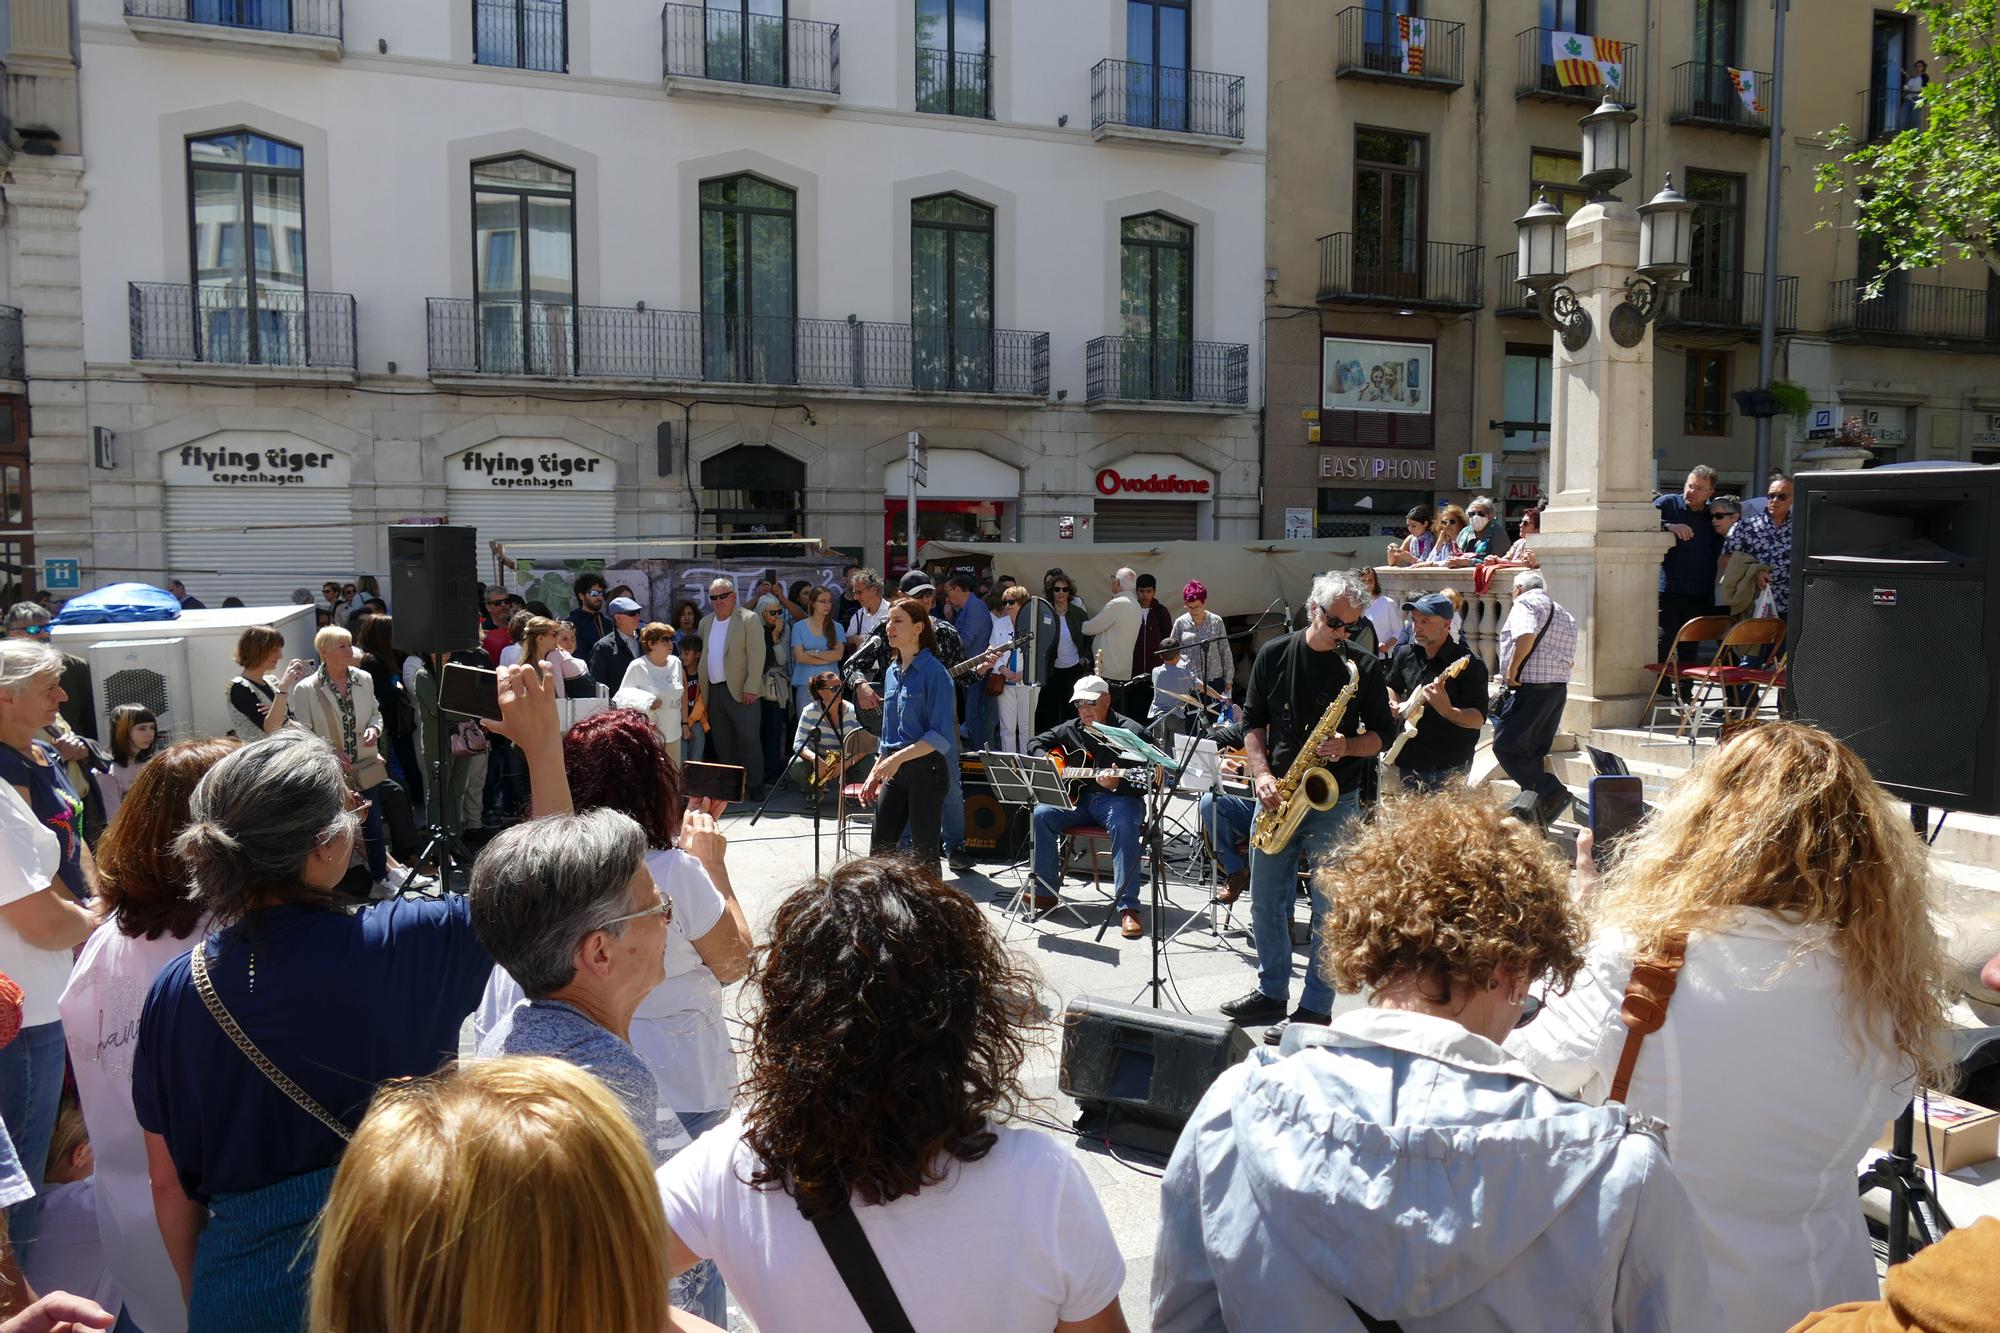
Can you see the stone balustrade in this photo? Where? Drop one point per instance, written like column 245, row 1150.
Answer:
column 1483, row 611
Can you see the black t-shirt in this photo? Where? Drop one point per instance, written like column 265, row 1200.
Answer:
column 249, row 699
column 1291, row 687
column 1084, row 749
column 1439, row 743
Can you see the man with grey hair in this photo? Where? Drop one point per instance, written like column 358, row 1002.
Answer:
column 567, row 906
column 732, row 678
column 1113, row 631
column 1537, row 649
column 1293, row 682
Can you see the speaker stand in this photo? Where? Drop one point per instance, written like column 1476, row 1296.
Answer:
column 442, row 847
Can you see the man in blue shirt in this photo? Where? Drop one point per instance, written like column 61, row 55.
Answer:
column 1106, row 800
column 974, row 623
column 1687, row 570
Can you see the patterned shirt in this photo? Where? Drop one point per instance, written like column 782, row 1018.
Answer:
column 1771, row 544
column 344, row 699
column 1554, row 628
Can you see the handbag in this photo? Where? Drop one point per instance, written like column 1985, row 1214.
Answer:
column 1644, row 1008
column 467, row 739
column 12, row 998
column 996, row 684
column 369, row 769
column 198, row 964
column 777, row 687
column 860, row 1271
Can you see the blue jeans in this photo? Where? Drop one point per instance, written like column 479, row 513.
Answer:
column 31, row 1078
column 954, row 800
column 979, row 712
column 1120, row 815
column 1273, row 885
column 1226, row 820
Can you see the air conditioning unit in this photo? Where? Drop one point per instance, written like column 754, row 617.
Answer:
column 152, row 673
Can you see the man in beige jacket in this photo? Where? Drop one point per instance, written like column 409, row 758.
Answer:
column 1114, row 629
column 732, row 674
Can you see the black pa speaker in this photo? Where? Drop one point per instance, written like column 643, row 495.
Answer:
column 434, row 588
column 993, row 831
column 1152, row 1064
column 1895, row 626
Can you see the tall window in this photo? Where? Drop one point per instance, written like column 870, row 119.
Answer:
column 1388, row 212
column 1555, row 174
column 246, row 197
column 524, row 257
column 521, row 34
column 953, row 64
column 749, row 249
column 1888, row 55
column 745, row 41
column 753, row 490
column 1379, row 31
column 1705, row 395
column 951, row 293
column 1157, row 44
column 1526, row 376
column 1566, row 15
column 1156, row 307
column 1717, row 29
column 1716, row 274
column 268, row 15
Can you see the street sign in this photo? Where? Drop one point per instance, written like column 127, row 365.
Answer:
column 920, row 457
column 62, row 575
column 1475, row 472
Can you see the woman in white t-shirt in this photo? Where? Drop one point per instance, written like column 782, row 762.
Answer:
column 887, row 1041
column 656, row 673
column 151, row 921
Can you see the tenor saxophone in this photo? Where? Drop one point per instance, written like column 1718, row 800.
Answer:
column 1308, row 784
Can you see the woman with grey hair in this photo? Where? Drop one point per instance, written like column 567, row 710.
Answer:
column 258, row 1052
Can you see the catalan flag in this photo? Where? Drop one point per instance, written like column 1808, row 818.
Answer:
column 1581, row 60
column 1745, row 82
column 1410, row 35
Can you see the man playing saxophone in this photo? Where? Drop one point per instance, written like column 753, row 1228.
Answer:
column 1293, row 682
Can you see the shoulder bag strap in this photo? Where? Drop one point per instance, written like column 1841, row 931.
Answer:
column 198, row 963
column 1644, row 1008
column 1540, row 633
column 854, row 1259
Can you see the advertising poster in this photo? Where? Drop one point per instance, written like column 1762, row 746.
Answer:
column 1361, row 376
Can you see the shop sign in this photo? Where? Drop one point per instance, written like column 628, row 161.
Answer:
column 1889, row 425
column 530, row 465
column 254, row 460
column 1298, row 524
column 1525, row 491
column 1823, row 422
column 1986, row 428
column 1358, row 375
column 1475, row 471
column 1111, row 482
column 1378, row 467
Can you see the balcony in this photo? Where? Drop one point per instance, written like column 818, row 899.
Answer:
column 225, row 332
column 1158, row 104
column 1729, row 303
column 300, row 27
column 1424, row 275
column 13, row 352
column 1511, row 297
column 673, row 347
column 728, row 54
column 1911, row 313
column 1372, row 46
column 1149, row 370
column 1539, row 80
column 955, row 83
column 1705, row 95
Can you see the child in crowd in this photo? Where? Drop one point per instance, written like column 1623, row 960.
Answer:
column 134, row 732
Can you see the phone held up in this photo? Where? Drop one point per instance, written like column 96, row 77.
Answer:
column 470, row 691
column 716, row 782
column 1617, row 806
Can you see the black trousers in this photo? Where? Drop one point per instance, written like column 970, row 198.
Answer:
column 1052, row 706
column 1523, row 732
column 913, row 799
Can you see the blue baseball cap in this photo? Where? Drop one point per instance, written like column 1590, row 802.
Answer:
column 1432, row 604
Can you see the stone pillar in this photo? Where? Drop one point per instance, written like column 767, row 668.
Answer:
column 42, row 235
column 1601, row 541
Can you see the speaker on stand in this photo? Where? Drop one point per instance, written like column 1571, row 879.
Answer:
column 434, row 587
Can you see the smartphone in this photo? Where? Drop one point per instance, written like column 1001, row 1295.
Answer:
column 717, row 782
column 1617, row 805
column 470, row 691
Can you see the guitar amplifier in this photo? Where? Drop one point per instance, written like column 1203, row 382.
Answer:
column 1153, row 1064
column 993, row 831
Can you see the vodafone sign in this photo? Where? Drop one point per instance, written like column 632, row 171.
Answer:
column 1112, row 482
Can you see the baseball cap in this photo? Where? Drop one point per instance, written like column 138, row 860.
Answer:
column 1432, row 604
column 1090, row 689
column 624, row 606
column 913, row 580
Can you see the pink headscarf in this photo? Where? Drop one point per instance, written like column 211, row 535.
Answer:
column 1195, row 591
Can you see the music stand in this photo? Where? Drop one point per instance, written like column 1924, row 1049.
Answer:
column 1155, row 802
column 1031, row 780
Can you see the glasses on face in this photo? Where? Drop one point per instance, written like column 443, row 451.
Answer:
column 663, row 910
column 595, row 592
column 1781, row 496
column 496, row 601
column 1060, row 587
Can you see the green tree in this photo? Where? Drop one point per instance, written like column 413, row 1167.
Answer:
column 1933, row 191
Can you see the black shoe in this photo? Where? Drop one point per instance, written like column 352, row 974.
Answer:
column 961, row 860
column 1256, row 1007
column 1551, row 806
column 1276, row 1032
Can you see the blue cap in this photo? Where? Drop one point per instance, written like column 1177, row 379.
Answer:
column 1432, row 604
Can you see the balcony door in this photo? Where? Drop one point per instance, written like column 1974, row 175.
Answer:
column 745, row 41
column 520, row 34
column 267, row 15
column 1381, row 37
column 1715, row 291
column 246, row 197
column 1158, row 46
column 749, row 255
column 951, row 294
column 1717, row 39
column 1566, row 15
column 524, row 260
column 1388, row 213
column 952, row 58
column 1156, row 307
column 1889, row 52
column 1889, row 312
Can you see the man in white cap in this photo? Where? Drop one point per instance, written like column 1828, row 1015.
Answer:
column 1105, row 800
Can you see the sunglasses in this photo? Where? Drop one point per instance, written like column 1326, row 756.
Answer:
column 720, row 596
column 1060, row 587
column 663, row 910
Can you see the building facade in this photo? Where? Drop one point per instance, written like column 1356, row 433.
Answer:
column 1405, row 364
column 594, row 275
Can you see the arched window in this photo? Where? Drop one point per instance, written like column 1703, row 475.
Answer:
column 752, row 490
column 524, row 265
column 247, row 238
column 951, row 293
column 749, row 280
column 1156, row 306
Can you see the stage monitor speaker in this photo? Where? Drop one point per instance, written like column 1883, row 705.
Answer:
column 1154, row 1064
column 993, row 831
column 434, row 588
column 1894, row 640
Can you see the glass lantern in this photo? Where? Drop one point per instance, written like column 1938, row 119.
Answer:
column 1544, row 245
column 1607, row 146
column 1666, row 234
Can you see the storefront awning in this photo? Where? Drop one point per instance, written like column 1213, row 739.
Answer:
column 1242, row 577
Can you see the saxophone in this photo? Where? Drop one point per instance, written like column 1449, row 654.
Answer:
column 1308, row 784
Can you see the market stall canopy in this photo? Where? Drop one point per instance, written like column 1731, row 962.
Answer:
column 1242, row 577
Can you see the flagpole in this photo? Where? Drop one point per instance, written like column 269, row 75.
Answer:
column 1767, row 330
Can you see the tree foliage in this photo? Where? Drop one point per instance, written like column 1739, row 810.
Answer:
column 1931, row 192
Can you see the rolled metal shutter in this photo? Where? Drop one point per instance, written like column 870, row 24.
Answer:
column 590, row 518
column 296, row 538
column 1132, row 522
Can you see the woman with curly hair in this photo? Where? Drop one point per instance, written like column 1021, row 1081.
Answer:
column 1810, row 995
column 1397, row 1165
column 885, row 1048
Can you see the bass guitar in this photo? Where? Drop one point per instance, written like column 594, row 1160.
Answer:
column 1413, row 709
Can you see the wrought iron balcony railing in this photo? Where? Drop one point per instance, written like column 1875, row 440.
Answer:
column 561, row 341
column 235, row 326
column 297, row 18
column 762, row 50
column 1706, row 94
column 521, row 34
column 1129, row 94
column 1911, row 311
column 13, row 352
column 1540, row 77
column 1126, row 369
column 955, row 83
column 1373, row 45
column 1730, row 302
column 1369, row 269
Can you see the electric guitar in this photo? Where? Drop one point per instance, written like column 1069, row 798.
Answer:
column 871, row 718
column 1413, row 708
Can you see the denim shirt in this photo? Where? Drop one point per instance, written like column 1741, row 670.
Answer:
column 917, row 704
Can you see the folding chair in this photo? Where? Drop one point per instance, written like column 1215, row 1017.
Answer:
column 1700, row 630
column 1744, row 637
column 851, row 810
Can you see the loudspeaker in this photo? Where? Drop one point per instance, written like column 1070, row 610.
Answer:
column 993, row 831
column 1895, row 626
column 434, row 588
column 1153, row 1064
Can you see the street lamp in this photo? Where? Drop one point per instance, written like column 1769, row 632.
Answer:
column 1607, row 148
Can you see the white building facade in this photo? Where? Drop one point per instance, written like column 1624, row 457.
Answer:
column 596, row 274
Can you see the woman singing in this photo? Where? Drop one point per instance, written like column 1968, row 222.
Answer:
column 918, row 715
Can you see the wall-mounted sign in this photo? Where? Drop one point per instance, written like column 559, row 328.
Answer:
column 255, row 458
column 1066, row 528
column 530, row 465
column 62, row 575
column 1298, row 525
column 1475, row 471
column 1370, row 468
column 1110, row 481
column 1823, row 422
column 1986, row 428
column 1524, row 491
column 1889, row 425
column 1363, row 376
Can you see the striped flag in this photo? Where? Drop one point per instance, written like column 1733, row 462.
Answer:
column 1410, row 34
column 1581, row 60
column 1745, row 81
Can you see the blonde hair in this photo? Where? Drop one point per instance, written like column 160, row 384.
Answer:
column 425, row 1230
column 329, row 636
column 1785, row 818
column 537, row 629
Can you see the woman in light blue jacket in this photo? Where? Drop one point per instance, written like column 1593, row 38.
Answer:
column 1398, row 1165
